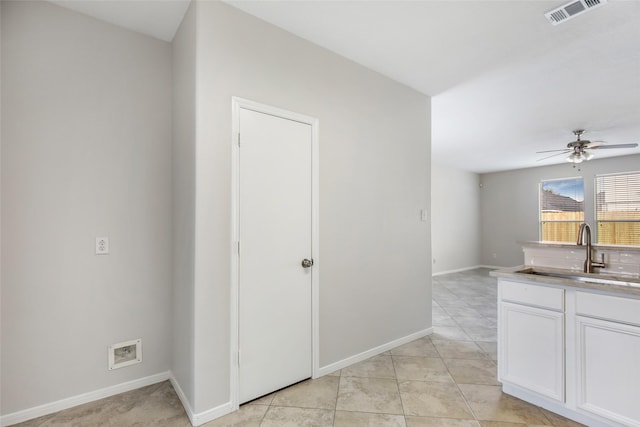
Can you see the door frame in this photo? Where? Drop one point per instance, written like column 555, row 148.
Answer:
column 236, row 104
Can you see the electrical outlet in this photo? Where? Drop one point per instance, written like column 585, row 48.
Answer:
column 102, row 245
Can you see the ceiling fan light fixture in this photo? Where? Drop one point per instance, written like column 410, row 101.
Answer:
column 587, row 155
column 575, row 158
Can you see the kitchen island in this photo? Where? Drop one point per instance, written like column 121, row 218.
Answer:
column 570, row 341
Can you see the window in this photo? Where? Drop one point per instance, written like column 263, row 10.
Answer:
column 561, row 209
column 618, row 209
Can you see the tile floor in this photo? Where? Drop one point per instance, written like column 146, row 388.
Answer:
column 446, row 379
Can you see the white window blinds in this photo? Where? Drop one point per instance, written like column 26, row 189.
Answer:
column 618, row 208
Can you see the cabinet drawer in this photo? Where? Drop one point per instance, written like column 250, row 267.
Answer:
column 532, row 295
column 608, row 307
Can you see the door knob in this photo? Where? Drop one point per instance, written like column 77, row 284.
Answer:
column 306, row 263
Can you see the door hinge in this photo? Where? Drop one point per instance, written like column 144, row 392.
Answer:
column 238, row 247
column 238, row 357
column 238, row 139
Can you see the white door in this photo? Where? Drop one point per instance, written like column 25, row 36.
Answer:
column 274, row 292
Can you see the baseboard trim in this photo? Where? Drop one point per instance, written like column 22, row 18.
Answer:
column 459, row 270
column 211, row 414
column 183, row 397
column 493, row 267
column 70, row 402
column 324, row 370
column 203, row 417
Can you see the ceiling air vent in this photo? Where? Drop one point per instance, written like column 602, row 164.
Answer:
column 572, row 9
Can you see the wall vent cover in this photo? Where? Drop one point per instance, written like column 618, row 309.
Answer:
column 571, row 10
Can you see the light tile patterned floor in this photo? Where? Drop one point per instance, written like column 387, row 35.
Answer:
column 445, row 380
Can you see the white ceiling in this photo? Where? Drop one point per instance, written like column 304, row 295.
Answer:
column 156, row 18
column 505, row 83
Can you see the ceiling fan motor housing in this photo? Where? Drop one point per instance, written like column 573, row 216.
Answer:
column 578, row 144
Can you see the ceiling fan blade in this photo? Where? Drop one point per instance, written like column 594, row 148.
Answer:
column 553, row 155
column 599, row 147
column 564, row 150
column 594, row 144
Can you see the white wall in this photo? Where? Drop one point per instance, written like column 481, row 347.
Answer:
column 86, row 152
column 455, row 218
column 184, row 89
column 509, row 204
column 374, row 179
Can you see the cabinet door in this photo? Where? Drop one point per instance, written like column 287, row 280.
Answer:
column 609, row 369
column 532, row 349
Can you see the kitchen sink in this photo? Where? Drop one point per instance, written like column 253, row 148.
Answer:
column 582, row 277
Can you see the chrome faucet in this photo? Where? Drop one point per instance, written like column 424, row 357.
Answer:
column 589, row 264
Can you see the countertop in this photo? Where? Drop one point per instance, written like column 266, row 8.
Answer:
column 544, row 244
column 628, row 285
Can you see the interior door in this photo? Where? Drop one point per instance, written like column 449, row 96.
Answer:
column 274, row 292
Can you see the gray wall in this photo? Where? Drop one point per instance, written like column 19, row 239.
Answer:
column 509, row 204
column 374, row 179
column 86, row 152
column 184, row 88
column 455, row 218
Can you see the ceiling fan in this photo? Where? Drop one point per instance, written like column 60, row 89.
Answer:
column 578, row 148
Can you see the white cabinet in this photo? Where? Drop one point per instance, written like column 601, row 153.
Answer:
column 608, row 357
column 572, row 350
column 533, row 351
column 531, row 338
